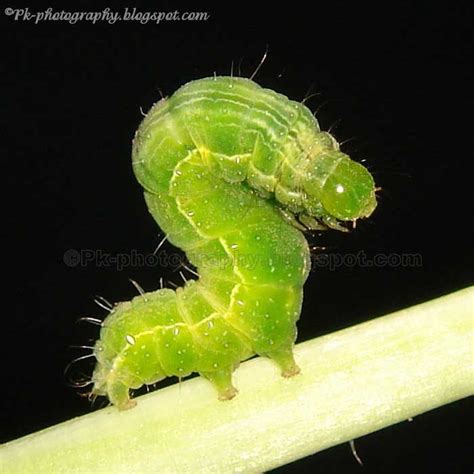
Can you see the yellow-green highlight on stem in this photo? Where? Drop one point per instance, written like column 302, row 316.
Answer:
column 353, row 382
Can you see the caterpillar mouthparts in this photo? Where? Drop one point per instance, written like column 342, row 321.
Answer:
column 232, row 174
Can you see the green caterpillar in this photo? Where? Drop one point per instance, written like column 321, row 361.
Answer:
column 232, row 173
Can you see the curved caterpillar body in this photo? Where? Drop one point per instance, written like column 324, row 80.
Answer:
column 228, row 169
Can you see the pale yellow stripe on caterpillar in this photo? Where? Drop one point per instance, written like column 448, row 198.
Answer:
column 266, row 109
column 264, row 99
column 235, row 268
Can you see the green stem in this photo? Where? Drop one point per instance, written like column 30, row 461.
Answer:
column 353, row 382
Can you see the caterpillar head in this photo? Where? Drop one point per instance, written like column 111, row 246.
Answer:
column 344, row 188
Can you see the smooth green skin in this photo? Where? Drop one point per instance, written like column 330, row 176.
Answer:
column 220, row 160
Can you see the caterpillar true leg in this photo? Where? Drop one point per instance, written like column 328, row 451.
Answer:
column 311, row 223
column 291, row 219
column 334, row 224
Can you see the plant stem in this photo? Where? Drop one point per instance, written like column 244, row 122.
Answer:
column 353, row 382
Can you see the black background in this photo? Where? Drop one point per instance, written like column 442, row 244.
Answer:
column 397, row 76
